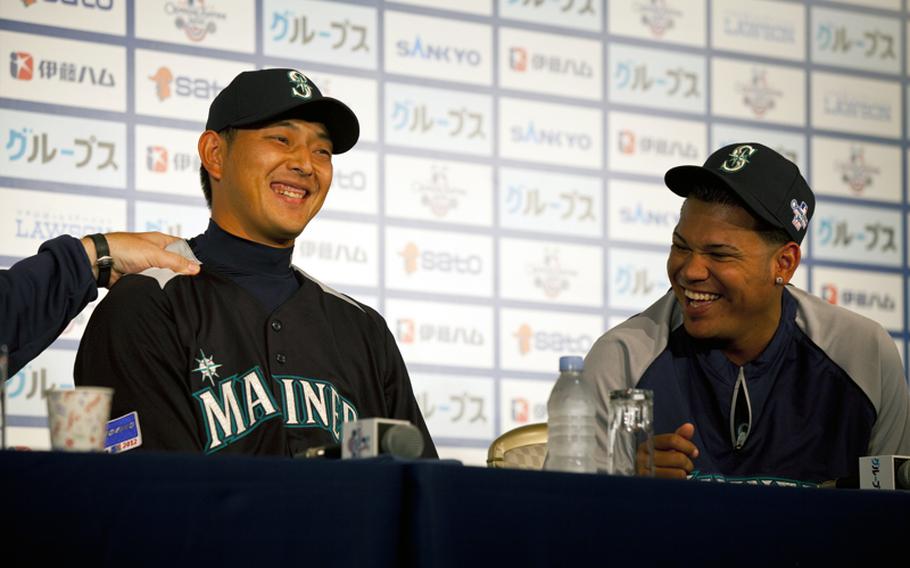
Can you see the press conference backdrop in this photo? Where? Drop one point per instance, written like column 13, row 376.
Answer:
column 505, row 203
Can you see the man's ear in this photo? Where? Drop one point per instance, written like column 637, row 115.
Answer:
column 786, row 260
column 212, row 149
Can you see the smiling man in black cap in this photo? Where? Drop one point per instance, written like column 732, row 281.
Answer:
column 252, row 356
column 753, row 380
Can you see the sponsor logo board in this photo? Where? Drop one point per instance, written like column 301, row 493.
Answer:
column 179, row 220
column 550, row 133
column 28, row 218
column 582, row 15
column 25, row 390
column 760, row 27
column 320, row 31
column 524, row 401
column 646, row 145
column 877, row 296
column 553, row 273
column 852, row 168
column 219, row 24
column 852, row 233
column 180, row 86
column 86, row 15
column 856, row 105
column 456, row 406
column 856, row 41
column 436, row 333
column 637, row 278
column 438, row 119
column 438, row 190
column 642, row 212
column 478, row 7
column 339, row 252
column 355, row 184
column 532, row 340
column 548, row 202
column 754, row 91
column 670, row 21
column 433, row 261
column 167, row 161
column 657, row 78
column 63, row 72
column 551, row 64
column 58, row 148
column 883, row 4
column 438, row 48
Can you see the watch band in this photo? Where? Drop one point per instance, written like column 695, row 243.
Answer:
column 104, row 260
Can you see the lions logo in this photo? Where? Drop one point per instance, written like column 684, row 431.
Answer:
column 739, row 158
column 301, row 86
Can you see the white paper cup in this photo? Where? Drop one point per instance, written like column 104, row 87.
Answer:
column 78, row 418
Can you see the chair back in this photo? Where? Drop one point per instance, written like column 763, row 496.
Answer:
column 524, row 447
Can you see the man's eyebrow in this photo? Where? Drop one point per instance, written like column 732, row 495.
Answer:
column 322, row 133
column 712, row 247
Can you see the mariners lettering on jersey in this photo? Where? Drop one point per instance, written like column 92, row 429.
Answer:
column 234, row 408
column 237, row 405
column 309, row 403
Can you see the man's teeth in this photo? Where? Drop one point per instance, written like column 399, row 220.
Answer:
column 701, row 296
column 291, row 193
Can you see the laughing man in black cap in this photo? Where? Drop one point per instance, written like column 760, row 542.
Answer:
column 252, row 356
column 754, row 380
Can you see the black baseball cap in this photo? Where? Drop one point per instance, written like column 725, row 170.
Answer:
column 254, row 97
column 769, row 184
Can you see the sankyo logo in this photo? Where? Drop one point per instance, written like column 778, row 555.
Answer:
column 739, row 158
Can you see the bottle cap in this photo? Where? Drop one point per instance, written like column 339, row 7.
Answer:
column 571, row 363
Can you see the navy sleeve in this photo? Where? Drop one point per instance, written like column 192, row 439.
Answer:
column 40, row 294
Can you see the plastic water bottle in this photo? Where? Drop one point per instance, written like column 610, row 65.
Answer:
column 570, row 423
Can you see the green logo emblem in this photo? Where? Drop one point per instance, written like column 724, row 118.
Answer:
column 300, row 85
column 739, row 158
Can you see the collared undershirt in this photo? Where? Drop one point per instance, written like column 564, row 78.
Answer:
column 263, row 271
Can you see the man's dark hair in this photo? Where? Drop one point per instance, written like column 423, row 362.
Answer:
column 228, row 135
column 773, row 236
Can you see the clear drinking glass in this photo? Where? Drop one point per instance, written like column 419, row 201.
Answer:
column 630, row 432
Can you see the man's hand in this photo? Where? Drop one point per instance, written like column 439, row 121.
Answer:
column 135, row 252
column 673, row 453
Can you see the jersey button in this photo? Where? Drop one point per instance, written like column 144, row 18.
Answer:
column 281, row 358
column 276, row 325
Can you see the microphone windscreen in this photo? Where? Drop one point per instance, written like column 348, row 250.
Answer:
column 403, row 441
column 903, row 475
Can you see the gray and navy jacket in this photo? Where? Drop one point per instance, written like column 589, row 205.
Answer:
column 827, row 389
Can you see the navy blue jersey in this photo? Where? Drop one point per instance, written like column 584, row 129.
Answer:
column 827, row 389
column 209, row 369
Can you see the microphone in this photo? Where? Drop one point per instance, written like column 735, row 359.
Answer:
column 884, row 472
column 371, row 437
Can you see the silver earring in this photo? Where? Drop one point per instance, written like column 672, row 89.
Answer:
column 779, row 280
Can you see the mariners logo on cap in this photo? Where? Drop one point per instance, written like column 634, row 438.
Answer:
column 739, row 158
column 301, row 86
column 800, row 212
